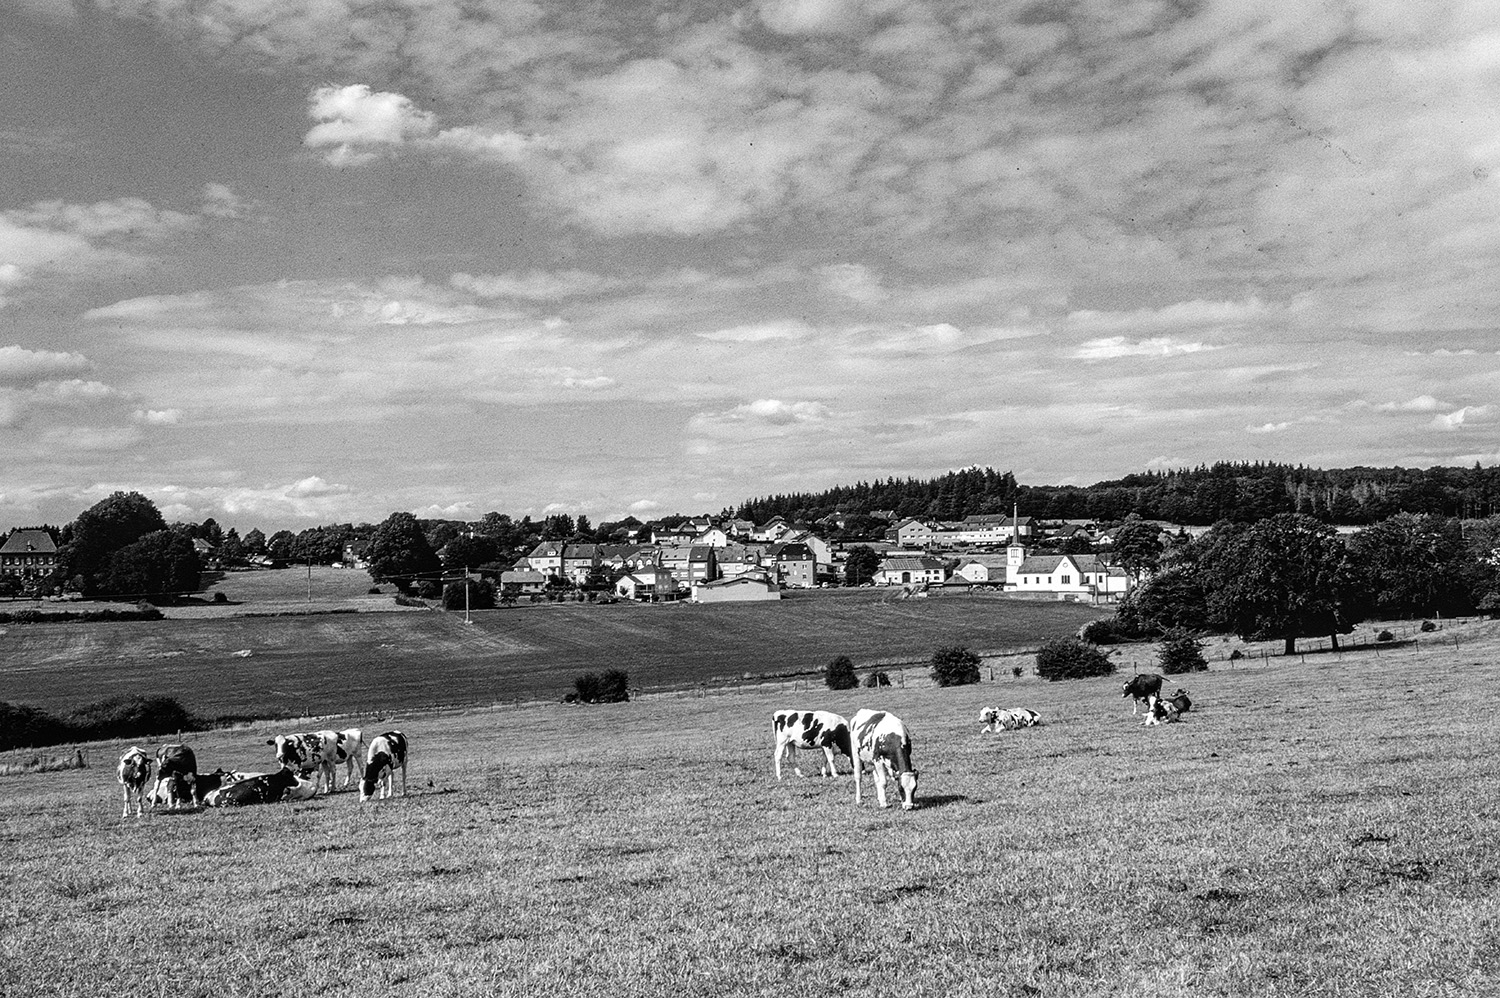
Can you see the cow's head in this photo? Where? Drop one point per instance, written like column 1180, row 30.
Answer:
column 291, row 751
column 988, row 716
column 908, row 784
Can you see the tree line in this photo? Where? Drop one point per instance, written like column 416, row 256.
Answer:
column 1291, row 576
column 1239, row 492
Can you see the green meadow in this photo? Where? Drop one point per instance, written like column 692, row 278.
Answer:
column 1317, row 826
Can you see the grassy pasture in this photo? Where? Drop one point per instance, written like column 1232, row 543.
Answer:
column 219, row 660
column 1317, row 828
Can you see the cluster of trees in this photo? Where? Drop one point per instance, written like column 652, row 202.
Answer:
column 1291, row 576
column 1241, row 492
column 121, row 546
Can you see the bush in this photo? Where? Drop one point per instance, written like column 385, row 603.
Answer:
column 613, row 686
column 129, row 717
column 1069, row 658
column 1104, row 631
column 1016, row 671
column 955, row 665
column 481, row 594
column 25, row 727
column 1385, row 636
column 429, row 589
column 839, row 674
column 875, row 679
column 1180, row 652
column 220, row 596
column 1428, row 625
column 374, row 591
column 409, row 601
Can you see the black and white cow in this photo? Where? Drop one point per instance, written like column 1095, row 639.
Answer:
column 811, row 729
column 997, row 719
column 207, row 783
column 321, row 752
column 177, row 771
column 1141, row 689
column 883, row 742
column 133, row 772
column 387, row 753
column 1163, row 710
column 265, row 788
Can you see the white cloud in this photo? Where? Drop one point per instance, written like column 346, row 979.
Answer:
column 535, row 285
column 645, row 507
column 353, row 118
column 159, row 417
column 789, row 329
column 313, row 487
column 1462, row 417
column 19, row 365
column 1422, row 403
column 1267, row 428
column 1112, row 347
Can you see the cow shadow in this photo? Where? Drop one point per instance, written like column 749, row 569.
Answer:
column 944, row 800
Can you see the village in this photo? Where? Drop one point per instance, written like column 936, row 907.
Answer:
column 710, row 560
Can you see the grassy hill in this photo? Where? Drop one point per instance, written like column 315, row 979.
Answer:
column 349, row 651
column 1317, row 827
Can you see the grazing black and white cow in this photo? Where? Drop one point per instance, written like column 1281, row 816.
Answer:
column 133, row 772
column 883, row 741
column 177, row 769
column 811, row 729
column 1163, row 710
column 265, row 788
column 1141, row 689
column 321, row 752
column 387, row 753
column 996, row 719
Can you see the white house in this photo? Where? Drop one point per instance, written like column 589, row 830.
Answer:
column 981, row 569
column 646, row 584
column 910, row 571
column 912, row 532
column 1069, row 576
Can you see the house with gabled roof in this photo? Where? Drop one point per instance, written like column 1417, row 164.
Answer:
column 546, row 558
column 905, row 571
column 1069, row 576
column 690, row 563
column 28, row 553
column 912, row 532
column 578, row 561
column 522, row 583
column 796, row 565
column 980, row 570
column 647, row 584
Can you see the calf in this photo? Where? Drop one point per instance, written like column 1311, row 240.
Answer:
column 883, row 742
column 387, row 752
column 133, row 772
column 1141, row 689
column 321, row 752
column 177, row 768
column 266, row 788
column 811, row 729
column 995, row 719
column 1168, row 709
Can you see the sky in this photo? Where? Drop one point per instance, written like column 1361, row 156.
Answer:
column 294, row 262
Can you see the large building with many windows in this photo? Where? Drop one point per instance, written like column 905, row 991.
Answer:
column 28, row 554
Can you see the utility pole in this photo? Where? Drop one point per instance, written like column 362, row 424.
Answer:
column 467, row 619
column 309, row 580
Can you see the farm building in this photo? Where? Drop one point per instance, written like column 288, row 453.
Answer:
column 522, row 583
column 742, row 589
column 907, row 571
column 980, row 569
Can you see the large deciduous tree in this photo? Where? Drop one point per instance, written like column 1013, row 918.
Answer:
column 861, row 566
column 1285, row 577
column 399, row 552
column 101, row 530
column 1415, row 563
column 1138, row 546
column 160, row 564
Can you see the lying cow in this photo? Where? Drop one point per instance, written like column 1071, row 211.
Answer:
column 266, row 788
column 177, row 771
column 1141, row 689
column 811, row 729
column 207, row 783
column 387, row 752
column 996, row 719
column 882, row 741
column 321, row 752
column 1164, row 710
column 133, row 772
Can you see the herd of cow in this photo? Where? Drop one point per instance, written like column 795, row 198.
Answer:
column 319, row 753
column 879, row 739
column 874, row 738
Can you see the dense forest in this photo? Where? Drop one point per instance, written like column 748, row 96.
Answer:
column 1241, row 493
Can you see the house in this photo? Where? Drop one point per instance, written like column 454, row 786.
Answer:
column 980, row 570
column 741, row 589
column 689, row 563
column 521, row 583
column 1069, row 576
column 910, row 571
column 354, row 554
column 736, row 560
column 28, row 553
column 683, row 533
column 578, row 561
column 821, row 549
column 714, row 537
column 546, row 558
column 771, row 530
column 646, row 585
column 912, row 532
column 796, row 566
column 739, row 527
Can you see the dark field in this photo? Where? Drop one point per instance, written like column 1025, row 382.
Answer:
column 219, row 661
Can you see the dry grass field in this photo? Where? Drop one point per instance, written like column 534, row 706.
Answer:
column 1325, row 827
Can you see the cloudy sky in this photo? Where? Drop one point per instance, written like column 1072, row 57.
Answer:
column 285, row 262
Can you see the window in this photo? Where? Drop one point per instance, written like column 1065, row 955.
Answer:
column 1067, row 580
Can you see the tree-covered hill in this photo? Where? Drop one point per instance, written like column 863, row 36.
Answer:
column 1241, row 492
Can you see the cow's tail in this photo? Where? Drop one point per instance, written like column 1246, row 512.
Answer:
column 854, row 758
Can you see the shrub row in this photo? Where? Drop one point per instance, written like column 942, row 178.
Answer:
column 22, row 726
column 140, row 611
